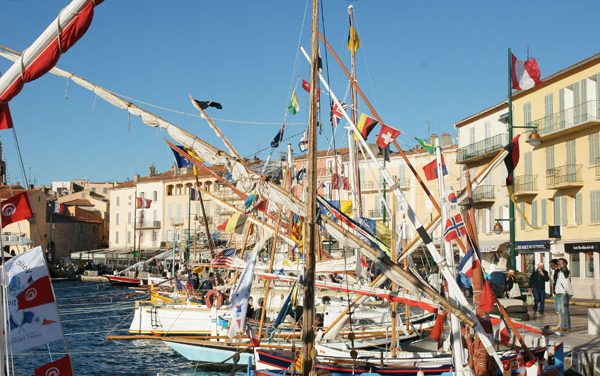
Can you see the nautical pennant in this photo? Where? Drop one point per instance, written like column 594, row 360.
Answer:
column 336, row 113
column 294, row 107
column 524, row 74
column 303, row 144
column 386, row 136
column 15, row 208
column 468, row 263
column 455, row 228
column 365, row 125
column 278, row 137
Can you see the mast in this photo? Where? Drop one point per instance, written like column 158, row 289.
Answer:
column 457, row 354
column 310, row 227
column 394, row 305
column 353, row 155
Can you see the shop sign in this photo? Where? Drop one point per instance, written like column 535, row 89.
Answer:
column 582, row 247
column 532, row 246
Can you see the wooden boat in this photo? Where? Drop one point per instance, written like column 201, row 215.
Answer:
column 124, row 280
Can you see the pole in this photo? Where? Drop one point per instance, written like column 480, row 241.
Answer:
column 512, row 262
column 394, row 305
column 134, row 222
column 187, row 242
column 457, row 354
column 354, row 162
column 310, row 227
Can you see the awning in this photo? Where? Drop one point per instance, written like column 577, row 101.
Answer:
column 531, row 246
column 490, row 246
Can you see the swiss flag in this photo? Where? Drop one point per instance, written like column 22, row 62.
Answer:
column 386, row 136
column 36, row 294
column 16, row 209
column 60, row 367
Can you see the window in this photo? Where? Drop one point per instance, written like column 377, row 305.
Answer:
column 170, row 211
column 178, row 212
column 94, row 190
column 595, row 206
column 128, row 236
column 117, row 237
column 594, row 148
column 563, row 209
column 329, row 166
column 117, row 219
column 589, row 265
column 105, row 190
column 544, row 214
column 129, row 218
column 487, row 220
column 402, row 176
column 154, row 235
column 129, row 200
column 118, row 200
column 526, row 113
column 571, row 157
column 534, row 213
column 578, row 209
column 488, row 129
column 154, row 215
column 548, row 112
column 583, row 113
column 155, row 196
column 522, row 208
column 575, row 270
column 472, row 135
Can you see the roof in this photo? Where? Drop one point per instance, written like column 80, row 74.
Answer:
column 87, row 216
column 78, row 202
column 557, row 76
column 7, row 191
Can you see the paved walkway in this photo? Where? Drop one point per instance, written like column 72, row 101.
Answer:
column 584, row 347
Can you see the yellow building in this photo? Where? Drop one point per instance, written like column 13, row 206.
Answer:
column 558, row 181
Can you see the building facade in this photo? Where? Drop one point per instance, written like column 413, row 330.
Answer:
column 557, row 183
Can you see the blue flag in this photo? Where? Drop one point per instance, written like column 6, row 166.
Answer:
column 180, row 160
column 278, row 137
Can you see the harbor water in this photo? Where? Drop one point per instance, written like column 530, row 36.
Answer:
column 91, row 311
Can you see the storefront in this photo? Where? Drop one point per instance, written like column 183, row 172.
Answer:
column 532, row 252
column 584, row 258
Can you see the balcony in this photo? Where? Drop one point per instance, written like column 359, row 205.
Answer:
column 584, row 114
column 483, row 194
column 375, row 214
column 481, row 149
column 148, row 225
column 525, row 185
column 567, row 176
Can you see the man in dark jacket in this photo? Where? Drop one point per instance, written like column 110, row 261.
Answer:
column 537, row 285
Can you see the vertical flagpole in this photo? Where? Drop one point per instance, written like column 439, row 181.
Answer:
column 457, row 353
column 394, row 305
column 5, row 335
column 512, row 263
column 187, row 242
column 134, row 223
column 354, row 161
column 310, row 232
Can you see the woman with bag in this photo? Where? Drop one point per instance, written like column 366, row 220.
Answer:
column 513, row 290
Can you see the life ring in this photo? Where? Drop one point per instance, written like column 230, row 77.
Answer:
column 209, row 296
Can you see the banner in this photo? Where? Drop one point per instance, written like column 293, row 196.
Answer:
column 33, row 315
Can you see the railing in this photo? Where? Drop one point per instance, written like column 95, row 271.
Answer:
column 148, row 224
column 375, row 213
column 481, row 148
column 483, row 192
column 525, row 183
column 566, row 174
column 568, row 118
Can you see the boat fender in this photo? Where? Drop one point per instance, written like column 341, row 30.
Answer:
column 208, row 298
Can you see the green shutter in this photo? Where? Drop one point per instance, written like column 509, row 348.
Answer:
column 548, row 111
column 576, row 104
column 556, row 210
column 578, row 208
column 544, row 219
column 561, row 108
column 534, row 213
column 595, row 206
column 593, row 148
column 563, row 208
column 584, row 101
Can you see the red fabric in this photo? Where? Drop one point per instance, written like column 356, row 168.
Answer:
column 512, row 159
column 386, row 136
column 363, row 262
column 430, row 170
column 486, row 303
column 532, row 68
column 139, row 202
column 222, row 226
column 36, row 294
column 438, row 327
column 306, row 87
column 47, row 59
column 147, row 204
column 60, row 367
column 16, row 209
column 340, row 182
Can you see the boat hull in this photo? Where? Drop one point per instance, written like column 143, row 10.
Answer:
column 121, row 280
column 212, row 357
column 167, row 320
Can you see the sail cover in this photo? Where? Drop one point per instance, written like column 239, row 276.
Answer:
column 70, row 25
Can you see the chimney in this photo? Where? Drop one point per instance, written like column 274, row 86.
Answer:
column 446, row 139
column 432, row 138
column 152, row 170
column 136, row 177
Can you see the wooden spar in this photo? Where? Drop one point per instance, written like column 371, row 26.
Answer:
column 218, row 132
column 267, row 283
column 243, row 252
column 353, row 157
column 374, row 113
column 405, row 265
column 480, row 362
column 211, row 247
column 394, row 305
column 310, row 225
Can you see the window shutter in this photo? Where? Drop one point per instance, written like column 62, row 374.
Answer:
column 584, row 104
column 534, row 213
column 563, row 209
column 578, row 208
column 556, row 207
column 544, row 217
column 548, row 111
column 561, row 107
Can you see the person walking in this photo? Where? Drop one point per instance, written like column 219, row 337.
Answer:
column 537, row 286
column 564, row 290
column 553, row 276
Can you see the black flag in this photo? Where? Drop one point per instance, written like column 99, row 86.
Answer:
column 205, row 104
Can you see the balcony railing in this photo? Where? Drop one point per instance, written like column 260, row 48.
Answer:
column 568, row 118
column 483, row 193
column 481, row 148
column 376, row 213
column 148, row 224
column 564, row 176
column 525, row 183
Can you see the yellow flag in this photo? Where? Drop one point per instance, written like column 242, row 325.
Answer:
column 194, row 155
column 346, row 207
column 353, row 40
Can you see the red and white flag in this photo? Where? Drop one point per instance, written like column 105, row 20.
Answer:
column 147, row 203
column 38, row 293
column 141, row 203
column 524, row 74
column 60, row 367
column 16, row 209
column 386, row 136
column 59, row 208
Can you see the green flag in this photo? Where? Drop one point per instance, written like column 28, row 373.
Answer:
column 294, row 107
column 426, row 145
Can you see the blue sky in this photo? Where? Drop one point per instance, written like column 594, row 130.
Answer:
column 421, row 63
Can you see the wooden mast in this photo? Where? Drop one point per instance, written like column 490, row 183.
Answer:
column 394, row 287
column 310, row 226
